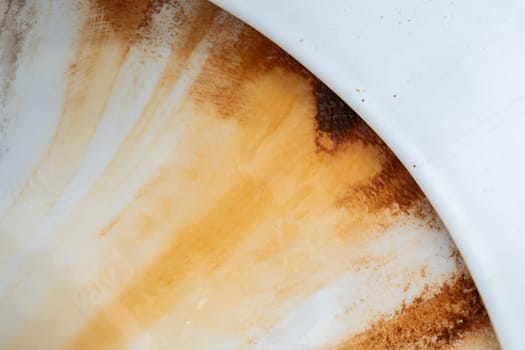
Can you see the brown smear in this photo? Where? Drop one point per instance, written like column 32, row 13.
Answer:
column 335, row 119
column 201, row 246
column 393, row 188
column 206, row 244
column 435, row 322
column 242, row 54
column 124, row 17
column 251, row 56
column 277, row 106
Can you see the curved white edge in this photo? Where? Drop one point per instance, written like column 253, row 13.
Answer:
column 455, row 122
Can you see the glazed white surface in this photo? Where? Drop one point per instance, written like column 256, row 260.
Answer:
column 456, row 121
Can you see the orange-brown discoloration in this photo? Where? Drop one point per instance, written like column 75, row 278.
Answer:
column 233, row 227
column 439, row 321
column 121, row 19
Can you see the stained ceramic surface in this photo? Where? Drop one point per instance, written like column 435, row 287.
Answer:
column 171, row 179
column 442, row 84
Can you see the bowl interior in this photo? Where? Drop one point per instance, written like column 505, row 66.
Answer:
column 171, row 177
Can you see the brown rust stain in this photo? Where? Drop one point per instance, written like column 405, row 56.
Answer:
column 336, row 121
column 393, row 187
column 121, row 19
column 201, row 247
column 430, row 322
column 242, row 54
column 236, row 234
column 337, row 124
column 272, row 126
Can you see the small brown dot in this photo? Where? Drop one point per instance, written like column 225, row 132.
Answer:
column 413, row 165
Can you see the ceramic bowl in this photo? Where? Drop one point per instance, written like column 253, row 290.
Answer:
column 171, row 179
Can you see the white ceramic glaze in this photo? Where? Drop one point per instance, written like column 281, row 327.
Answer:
column 442, row 83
